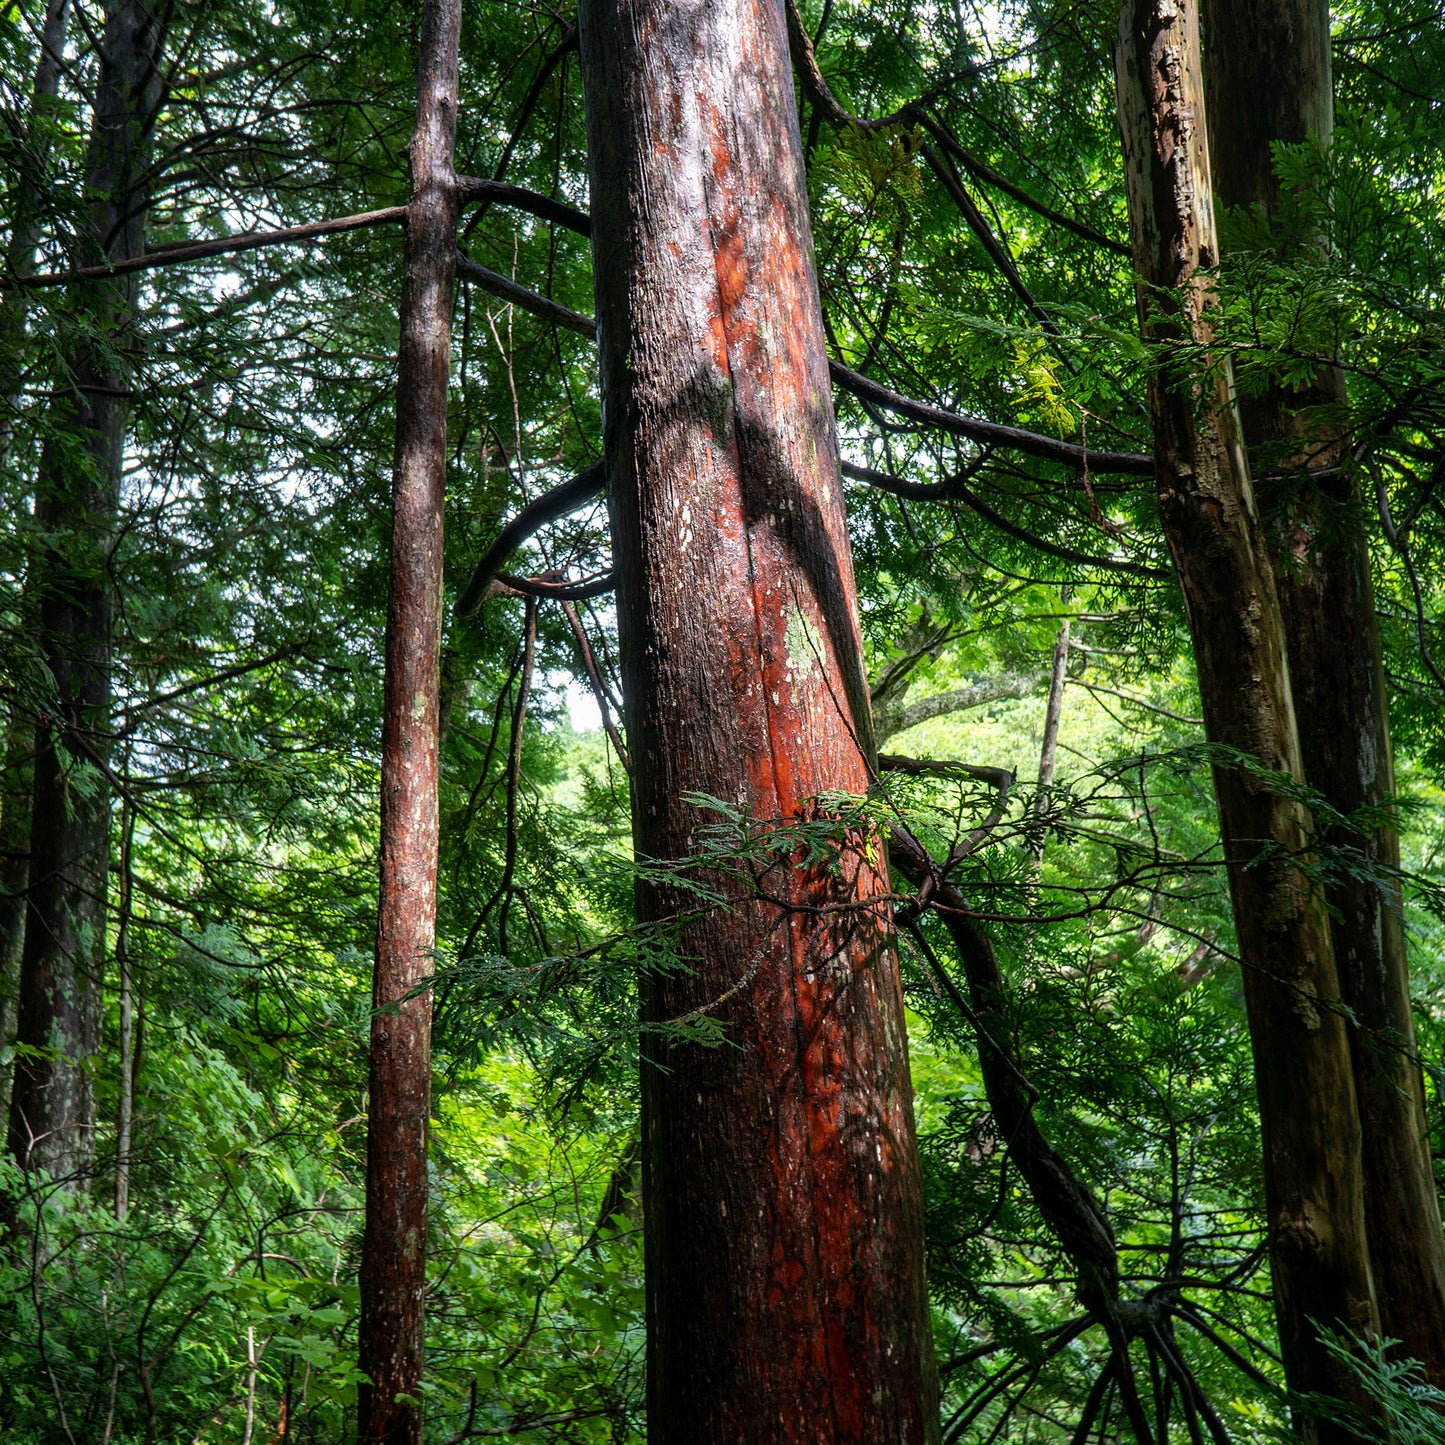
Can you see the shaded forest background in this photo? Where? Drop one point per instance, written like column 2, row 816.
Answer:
column 188, row 1269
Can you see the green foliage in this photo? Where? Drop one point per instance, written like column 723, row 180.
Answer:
column 249, row 563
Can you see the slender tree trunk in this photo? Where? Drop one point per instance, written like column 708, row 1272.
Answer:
column 16, row 783
column 393, row 1264
column 1311, row 1132
column 1049, row 751
column 783, row 1224
column 1267, row 69
column 125, row 1102
column 52, row 1112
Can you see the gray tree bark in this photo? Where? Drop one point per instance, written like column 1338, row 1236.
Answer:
column 1314, row 1184
column 1268, row 80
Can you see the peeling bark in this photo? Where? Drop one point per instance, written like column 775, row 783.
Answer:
column 1267, row 69
column 782, row 1203
column 1310, row 1123
column 393, row 1263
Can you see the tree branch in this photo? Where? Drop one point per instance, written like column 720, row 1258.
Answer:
column 505, row 289
column 953, row 489
column 891, row 721
column 531, row 519
column 1068, row 454
column 220, row 246
column 470, row 188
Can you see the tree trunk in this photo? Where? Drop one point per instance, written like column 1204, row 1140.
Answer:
column 393, row 1264
column 782, row 1204
column 25, row 226
column 1267, row 68
column 125, row 1046
column 1049, row 750
column 1311, row 1131
column 16, row 780
column 16, row 784
column 52, row 1113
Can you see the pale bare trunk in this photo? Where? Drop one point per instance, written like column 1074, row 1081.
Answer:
column 1049, row 749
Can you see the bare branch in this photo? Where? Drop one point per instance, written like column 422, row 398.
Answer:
column 510, row 291
column 220, row 246
column 891, row 721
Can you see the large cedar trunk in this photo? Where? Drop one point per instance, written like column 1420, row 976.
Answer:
column 393, row 1262
column 785, row 1287
column 52, row 1120
column 1268, row 79
column 1311, row 1131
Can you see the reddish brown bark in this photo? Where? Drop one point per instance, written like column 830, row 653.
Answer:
column 1310, row 1124
column 1267, row 70
column 393, row 1263
column 51, row 1122
column 785, row 1289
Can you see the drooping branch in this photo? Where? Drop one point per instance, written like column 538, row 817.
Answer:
column 520, row 198
column 997, row 251
column 986, row 173
column 1051, row 449
column 987, row 433
column 571, row 494
column 805, row 62
column 515, row 294
column 220, row 246
column 955, row 489
column 1068, row 1208
column 532, row 518
column 553, row 585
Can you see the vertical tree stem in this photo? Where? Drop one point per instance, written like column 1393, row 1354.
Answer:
column 125, row 1103
column 1268, row 81
column 393, row 1266
column 1049, row 751
column 782, row 1203
column 1314, row 1194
